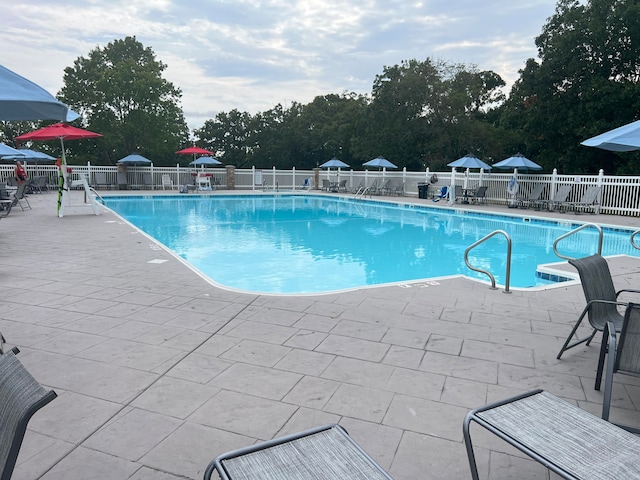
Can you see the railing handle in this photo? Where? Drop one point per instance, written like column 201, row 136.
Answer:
column 486, row 272
column 633, row 236
column 576, row 230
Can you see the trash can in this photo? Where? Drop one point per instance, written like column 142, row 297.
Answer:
column 422, row 190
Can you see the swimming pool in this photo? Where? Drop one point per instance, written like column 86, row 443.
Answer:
column 313, row 243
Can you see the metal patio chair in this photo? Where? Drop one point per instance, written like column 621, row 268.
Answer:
column 602, row 298
column 623, row 356
column 569, row 441
column 316, row 454
column 21, row 396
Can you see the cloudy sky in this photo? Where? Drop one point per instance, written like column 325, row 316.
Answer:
column 253, row 54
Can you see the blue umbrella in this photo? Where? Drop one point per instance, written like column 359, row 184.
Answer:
column 134, row 159
column 518, row 161
column 204, row 161
column 30, row 155
column 379, row 162
column 6, row 150
column 470, row 161
column 334, row 163
column 622, row 139
column 21, row 99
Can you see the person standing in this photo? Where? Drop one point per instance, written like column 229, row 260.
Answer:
column 20, row 173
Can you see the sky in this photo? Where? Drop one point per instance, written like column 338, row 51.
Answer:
column 251, row 55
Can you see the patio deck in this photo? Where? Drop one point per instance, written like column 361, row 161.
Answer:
column 158, row 372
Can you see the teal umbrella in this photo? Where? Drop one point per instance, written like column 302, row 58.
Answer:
column 134, row 159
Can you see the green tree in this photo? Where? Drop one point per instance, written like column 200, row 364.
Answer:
column 429, row 112
column 119, row 92
column 585, row 83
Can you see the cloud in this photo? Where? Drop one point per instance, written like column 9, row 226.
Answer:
column 254, row 54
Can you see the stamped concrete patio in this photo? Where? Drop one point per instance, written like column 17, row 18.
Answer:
column 158, row 372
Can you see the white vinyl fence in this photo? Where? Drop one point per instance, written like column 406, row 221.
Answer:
column 620, row 195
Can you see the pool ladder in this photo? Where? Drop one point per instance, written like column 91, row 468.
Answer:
column 576, row 230
column 633, row 243
column 486, row 272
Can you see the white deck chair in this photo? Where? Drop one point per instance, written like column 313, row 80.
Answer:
column 167, row 182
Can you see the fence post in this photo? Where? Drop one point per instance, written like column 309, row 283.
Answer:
column 554, row 182
column 599, row 184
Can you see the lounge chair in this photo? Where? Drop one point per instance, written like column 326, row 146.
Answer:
column 394, row 187
column 147, row 181
column 480, row 195
column 623, row 355
column 602, row 299
column 588, row 201
column 319, row 453
column 559, row 199
column 20, row 196
column 101, row 180
column 569, row 441
column 167, row 182
column 458, row 193
column 533, row 199
column 21, row 396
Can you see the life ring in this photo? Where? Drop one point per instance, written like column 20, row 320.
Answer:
column 513, row 186
column 434, row 178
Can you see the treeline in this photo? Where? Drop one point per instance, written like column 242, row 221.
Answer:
column 419, row 113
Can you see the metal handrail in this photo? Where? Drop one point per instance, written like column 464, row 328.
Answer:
column 576, row 230
column 633, row 244
column 486, row 272
column 93, row 190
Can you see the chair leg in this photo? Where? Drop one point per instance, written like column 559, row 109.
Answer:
column 611, row 359
column 566, row 345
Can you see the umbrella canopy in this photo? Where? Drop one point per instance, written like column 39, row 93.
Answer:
column 29, row 155
column 21, row 99
column 621, row 139
column 379, row 162
column 470, row 161
column 194, row 151
column 62, row 131
column 204, row 161
column 518, row 161
column 6, row 150
column 134, row 159
column 334, row 163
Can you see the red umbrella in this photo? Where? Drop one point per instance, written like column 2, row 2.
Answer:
column 61, row 131
column 194, row 151
column 58, row 130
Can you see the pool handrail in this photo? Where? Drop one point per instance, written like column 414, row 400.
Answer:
column 576, row 230
column 633, row 243
column 486, row 272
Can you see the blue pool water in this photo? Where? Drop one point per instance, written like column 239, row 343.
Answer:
column 312, row 244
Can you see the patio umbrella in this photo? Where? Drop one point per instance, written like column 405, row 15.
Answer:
column 62, row 131
column 194, row 151
column 379, row 162
column 30, row 155
column 621, row 139
column 518, row 161
column 6, row 150
column 134, row 159
column 469, row 161
column 334, row 163
column 21, row 99
column 204, row 161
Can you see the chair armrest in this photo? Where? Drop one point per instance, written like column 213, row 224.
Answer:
column 628, row 290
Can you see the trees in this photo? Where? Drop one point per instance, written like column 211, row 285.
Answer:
column 120, row 93
column 585, row 83
column 427, row 112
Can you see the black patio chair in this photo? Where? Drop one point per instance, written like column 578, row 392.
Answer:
column 21, row 396
column 480, row 195
column 602, row 298
column 623, row 356
column 316, row 454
